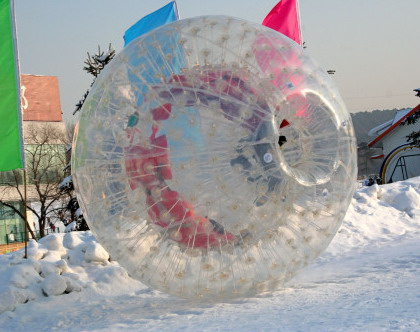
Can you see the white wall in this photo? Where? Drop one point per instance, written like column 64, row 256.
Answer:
column 398, row 137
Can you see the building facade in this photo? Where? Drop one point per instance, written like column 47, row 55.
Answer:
column 40, row 101
column 400, row 159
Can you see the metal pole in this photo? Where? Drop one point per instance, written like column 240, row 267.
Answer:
column 20, row 123
column 25, row 213
column 176, row 10
column 300, row 26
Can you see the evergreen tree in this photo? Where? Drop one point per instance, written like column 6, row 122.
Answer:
column 413, row 137
column 94, row 64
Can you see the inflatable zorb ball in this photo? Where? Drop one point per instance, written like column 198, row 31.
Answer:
column 214, row 158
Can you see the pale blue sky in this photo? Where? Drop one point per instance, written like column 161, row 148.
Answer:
column 374, row 45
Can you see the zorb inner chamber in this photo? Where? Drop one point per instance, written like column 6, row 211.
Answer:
column 214, row 158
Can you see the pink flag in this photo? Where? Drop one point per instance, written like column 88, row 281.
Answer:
column 284, row 18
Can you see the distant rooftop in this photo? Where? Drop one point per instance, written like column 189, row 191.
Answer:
column 40, row 98
column 386, row 128
column 382, row 127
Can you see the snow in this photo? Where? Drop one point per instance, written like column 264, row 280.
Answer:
column 66, row 183
column 367, row 280
column 54, row 284
column 96, row 253
column 376, row 131
column 78, row 213
column 400, row 114
column 70, row 227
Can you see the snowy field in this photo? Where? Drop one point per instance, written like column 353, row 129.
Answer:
column 368, row 280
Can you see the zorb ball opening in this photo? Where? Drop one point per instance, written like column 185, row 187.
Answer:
column 214, row 159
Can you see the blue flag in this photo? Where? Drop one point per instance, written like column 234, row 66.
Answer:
column 162, row 16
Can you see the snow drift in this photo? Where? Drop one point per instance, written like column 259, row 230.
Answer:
column 367, row 280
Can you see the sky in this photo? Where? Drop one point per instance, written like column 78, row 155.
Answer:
column 373, row 45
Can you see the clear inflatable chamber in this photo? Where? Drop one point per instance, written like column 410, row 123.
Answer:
column 214, row 159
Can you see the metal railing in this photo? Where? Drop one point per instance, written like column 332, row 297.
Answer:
column 20, row 236
column 401, row 165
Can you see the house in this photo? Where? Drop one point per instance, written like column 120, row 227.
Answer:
column 40, row 101
column 401, row 160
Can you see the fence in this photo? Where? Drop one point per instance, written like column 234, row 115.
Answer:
column 20, row 236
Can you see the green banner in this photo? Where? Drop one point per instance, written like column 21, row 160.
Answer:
column 11, row 146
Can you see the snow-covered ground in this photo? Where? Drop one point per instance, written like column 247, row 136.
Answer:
column 368, row 280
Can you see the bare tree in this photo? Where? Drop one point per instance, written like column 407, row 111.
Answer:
column 45, row 147
column 70, row 128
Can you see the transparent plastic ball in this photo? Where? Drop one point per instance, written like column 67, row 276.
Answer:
column 214, row 159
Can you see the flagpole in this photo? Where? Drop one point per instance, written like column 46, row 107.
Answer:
column 300, row 25
column 176, row 8
column 20, row 113
column 25, row 213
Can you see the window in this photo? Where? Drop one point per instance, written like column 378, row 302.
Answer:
column 11, row 222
